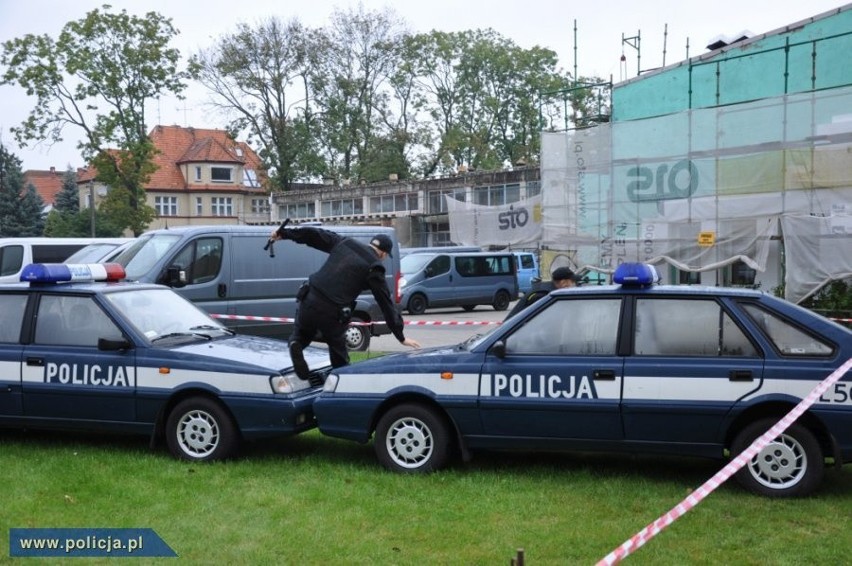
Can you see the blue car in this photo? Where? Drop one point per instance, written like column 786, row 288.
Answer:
column 79, row 350
column 631, row 367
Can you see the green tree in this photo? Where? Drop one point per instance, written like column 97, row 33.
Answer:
column 20, row 207
column 97, row 77
column 68, row 197
column 259, row 79
column 358, row 54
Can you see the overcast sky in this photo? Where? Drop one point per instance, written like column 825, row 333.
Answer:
column 601, row 25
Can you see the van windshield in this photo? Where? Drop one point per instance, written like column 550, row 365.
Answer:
column 412, row 263
column 144, row 253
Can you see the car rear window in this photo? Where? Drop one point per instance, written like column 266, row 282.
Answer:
column 787, row 338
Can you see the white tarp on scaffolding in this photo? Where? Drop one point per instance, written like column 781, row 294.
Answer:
column 516, row 224
column 707, row 188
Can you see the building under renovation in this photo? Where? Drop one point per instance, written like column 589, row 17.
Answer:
column 733, row 167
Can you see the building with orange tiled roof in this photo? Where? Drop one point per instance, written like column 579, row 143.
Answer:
column 47, row 184
column 202, row 176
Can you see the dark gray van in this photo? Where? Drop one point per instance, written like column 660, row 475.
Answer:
column 432, row 280
column 226, row 271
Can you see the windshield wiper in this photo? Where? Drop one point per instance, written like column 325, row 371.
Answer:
column 178, row 334
column 210, row 327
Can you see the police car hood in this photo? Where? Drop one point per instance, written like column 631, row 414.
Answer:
column 254, row 350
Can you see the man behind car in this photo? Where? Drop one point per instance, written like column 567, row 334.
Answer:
column 561, row 278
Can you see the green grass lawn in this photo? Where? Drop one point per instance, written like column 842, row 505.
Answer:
column 317, row 500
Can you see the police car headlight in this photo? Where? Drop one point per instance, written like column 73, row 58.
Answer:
column 330, row 383
column 402, row 282
column 288, row 383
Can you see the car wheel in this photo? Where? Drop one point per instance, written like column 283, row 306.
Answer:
column 199, row 429
column 501, row 301
column 417, row 304
column 792, row 465
column 412, row 439
column 357, row 336
column 469, row 308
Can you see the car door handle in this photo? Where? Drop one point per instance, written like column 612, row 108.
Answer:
column 222, row 290
column 740, row 375
column 38, row 362
column 604, row 374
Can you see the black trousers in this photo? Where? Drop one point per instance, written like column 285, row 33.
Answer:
column 315, row 314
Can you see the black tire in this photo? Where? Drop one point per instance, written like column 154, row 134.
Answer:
column 200, row 430
column 501, row 301
column 417, row 304
column 357, row 337
column 469, row 308
column 790, row 466
column 412, row 439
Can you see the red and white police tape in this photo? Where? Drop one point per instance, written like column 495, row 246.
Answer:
column 735, row 464
column 407, row 322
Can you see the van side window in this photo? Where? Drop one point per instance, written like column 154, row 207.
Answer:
column 53, row 253
column 202, row 259
column 438, row 266
column 11, row 258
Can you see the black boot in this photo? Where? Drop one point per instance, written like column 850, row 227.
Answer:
column 298, row 359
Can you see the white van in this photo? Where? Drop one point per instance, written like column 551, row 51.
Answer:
column 15, row 253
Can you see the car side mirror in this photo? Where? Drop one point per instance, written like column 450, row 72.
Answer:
column 175, row 276
column 499, row 349
column 113, row 345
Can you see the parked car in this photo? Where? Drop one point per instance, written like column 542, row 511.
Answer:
column 139, row 358
column 99, row 252
column 631, row 367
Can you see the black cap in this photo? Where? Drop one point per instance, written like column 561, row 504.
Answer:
column 563, row 273
column 383, row 242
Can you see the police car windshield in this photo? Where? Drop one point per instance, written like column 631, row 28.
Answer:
column 160, row 312
column 144, row 253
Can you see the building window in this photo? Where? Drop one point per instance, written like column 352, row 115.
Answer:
column 496, row 196
column 533, row 188
column 437, row 204
column 199, row 208
column 742, row 275
column 221, row 174
column 166, row 206
column 298, row 210
column 405, row 202
column 688, row 277
column 250, row 178
column 198, row 173
column 342, row 207
column 259, row 206
column 221, row 206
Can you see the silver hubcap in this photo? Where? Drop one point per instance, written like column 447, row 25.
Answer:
column 353, row 337
column 198, row 433
column 409, row 442
column 781, row 464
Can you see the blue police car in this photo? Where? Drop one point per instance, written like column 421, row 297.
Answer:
column 632, row 367
column 79, row 350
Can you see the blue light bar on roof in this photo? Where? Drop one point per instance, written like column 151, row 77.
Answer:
column 635, row 274
column 61, row 272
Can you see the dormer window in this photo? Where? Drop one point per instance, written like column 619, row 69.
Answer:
column 221, row 174
column 198, row 173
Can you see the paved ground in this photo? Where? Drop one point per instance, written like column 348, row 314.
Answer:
column 441, row 335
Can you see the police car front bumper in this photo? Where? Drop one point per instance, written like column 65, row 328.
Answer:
column 259, row 417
